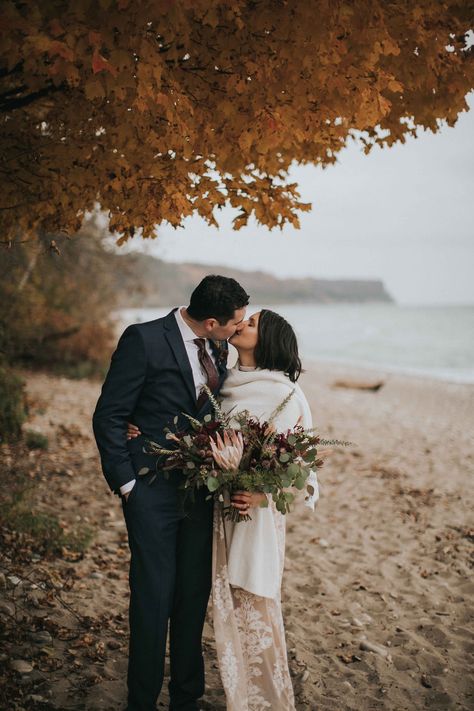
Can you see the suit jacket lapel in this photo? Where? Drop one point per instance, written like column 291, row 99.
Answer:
column 174, row 338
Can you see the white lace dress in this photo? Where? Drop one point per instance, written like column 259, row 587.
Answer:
column 248, row 627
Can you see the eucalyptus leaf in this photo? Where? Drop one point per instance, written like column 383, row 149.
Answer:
column 212, row 483
column 285, row 457
column 281, row 506
column 293, row 470
column 143, row 471
column 207, row 418
column 190, row 465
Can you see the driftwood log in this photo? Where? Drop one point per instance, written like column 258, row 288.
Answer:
column 359, row 385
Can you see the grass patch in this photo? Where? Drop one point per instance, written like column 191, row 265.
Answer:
column 35, row 440
column 40, row 532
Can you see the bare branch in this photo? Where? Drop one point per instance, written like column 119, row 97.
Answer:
column 12, row 104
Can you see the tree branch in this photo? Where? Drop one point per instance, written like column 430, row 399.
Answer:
column 9, row 72
column 16, row 90
column 56, row 336
column 13, row 104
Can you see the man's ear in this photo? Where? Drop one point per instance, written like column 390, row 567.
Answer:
column 210, row 324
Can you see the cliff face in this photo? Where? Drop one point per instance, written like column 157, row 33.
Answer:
column 142, row 280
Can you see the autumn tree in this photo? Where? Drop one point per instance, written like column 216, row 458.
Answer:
column 56, row 310
column 158, row 109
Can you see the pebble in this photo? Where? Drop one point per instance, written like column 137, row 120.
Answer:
column 305, row 676
column 21, row 666
column 96, row 576
column 41, row 637
column 376, row 648
column 33, row 599
column 37, row 699
column 323, row 543
column 7, row 607
column 348, row 685
column 344, row 623
column 14, row 580
column 362, row 620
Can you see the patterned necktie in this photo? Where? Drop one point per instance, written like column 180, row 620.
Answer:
column 209, row 369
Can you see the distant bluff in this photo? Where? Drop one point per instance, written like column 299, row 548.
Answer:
column 142, row 280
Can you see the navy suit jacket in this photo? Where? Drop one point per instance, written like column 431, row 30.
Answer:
column 149, row 383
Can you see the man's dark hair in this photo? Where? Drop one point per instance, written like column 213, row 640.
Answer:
column 277, row 347
column 217, row 297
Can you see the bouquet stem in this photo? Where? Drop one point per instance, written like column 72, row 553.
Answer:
column 230, row 513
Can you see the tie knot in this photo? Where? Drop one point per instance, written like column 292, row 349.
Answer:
column 201, row 343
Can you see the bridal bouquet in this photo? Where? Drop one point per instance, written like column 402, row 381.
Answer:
column 234, row 452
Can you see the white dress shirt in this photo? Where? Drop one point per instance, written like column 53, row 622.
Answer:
column 192, row 349
column 199, row 375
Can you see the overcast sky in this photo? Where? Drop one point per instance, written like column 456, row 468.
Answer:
column 404, row 215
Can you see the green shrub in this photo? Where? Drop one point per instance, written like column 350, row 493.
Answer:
column 36, row 440
column 12, row 404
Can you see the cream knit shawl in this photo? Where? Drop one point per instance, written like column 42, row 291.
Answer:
column 254, row 563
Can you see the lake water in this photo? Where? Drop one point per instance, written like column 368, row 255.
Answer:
column 435, row 341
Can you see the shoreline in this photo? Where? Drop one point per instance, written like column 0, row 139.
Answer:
column 460, row 375
column 376, row 371
column 366, row 371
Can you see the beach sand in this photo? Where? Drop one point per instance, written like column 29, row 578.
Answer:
column 377, row 594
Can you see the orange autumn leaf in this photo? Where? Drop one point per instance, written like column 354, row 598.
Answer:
column 61, row 49
column 99, row 64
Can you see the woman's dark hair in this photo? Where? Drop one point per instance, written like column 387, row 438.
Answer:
column 277, row 347
column 217, row 297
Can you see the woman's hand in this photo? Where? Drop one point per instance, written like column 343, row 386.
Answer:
column 132, row 431
column 244, row 500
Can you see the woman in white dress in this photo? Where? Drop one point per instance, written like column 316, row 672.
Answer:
column 248, row 557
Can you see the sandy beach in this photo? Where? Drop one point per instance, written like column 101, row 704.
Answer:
column 377, row 590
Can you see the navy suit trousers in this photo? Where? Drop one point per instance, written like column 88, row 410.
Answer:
column 170, row 582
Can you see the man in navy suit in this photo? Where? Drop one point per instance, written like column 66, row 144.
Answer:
column 157, row 373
